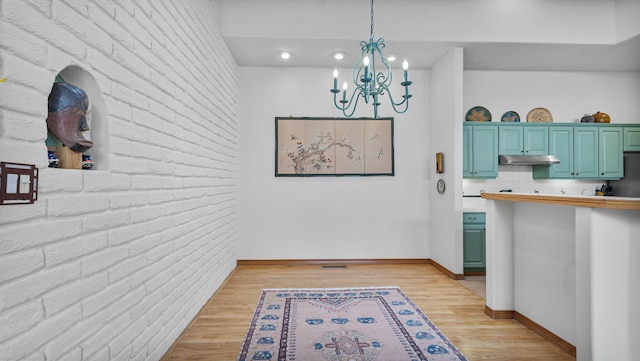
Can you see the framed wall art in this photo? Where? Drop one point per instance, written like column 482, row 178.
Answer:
column 334, row 147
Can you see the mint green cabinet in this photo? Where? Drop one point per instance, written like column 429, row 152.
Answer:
column 631, row 136
column 480, row 151
column 467, row 150
column 474, row 242
column 523, row 140
column 585, row 152
column 536, row 140
column 585, row 156
column 577, row 149
column 610, row 157
column 510, row 140
column 560, row 145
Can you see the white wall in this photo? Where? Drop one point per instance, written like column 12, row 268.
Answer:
column 445, row 135
column 567, row 95
column 327, row 217
column 113, row 263
column 627, row 24
column 615, row 286
column 572, row 270
column 284, row 218
column 544, row 260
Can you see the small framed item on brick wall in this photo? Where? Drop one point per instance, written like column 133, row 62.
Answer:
column 18, row 183
column 334, row 147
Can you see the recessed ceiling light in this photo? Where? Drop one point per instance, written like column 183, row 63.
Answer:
column 391, row 57
column 338, row 55
column 285, row 55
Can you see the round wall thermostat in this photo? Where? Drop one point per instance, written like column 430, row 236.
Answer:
column 440, row 186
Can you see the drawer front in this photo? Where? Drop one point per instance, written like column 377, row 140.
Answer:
column 473, row 217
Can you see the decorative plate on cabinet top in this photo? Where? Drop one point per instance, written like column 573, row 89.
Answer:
column 539, row 115
column 510, row 116
column 478, row 114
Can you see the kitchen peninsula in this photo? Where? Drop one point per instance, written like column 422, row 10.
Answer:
column 568, row 266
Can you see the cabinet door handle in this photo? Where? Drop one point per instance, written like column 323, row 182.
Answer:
column 473, row 218
column 601, row 173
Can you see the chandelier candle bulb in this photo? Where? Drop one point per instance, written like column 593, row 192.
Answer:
column 365, row 61
column 405, row 67
column 345, row 85
column 335, row 81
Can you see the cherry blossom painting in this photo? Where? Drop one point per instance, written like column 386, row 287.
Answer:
column 334, row 147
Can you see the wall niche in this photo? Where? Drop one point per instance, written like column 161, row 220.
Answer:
column 77, row 127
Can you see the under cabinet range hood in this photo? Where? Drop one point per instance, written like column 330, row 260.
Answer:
column 527, row 159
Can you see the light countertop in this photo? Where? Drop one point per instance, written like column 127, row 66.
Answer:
column 625, row 203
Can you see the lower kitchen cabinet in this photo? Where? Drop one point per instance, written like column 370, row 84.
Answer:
column 474, row 242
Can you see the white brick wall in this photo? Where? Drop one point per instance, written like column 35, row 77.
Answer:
column 113, row 263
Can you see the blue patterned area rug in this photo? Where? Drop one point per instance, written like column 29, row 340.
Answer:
column 343, row 324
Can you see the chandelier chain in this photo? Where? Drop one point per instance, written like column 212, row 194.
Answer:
column 371, row 19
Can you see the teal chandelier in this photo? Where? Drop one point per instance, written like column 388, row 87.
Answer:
column 372, row 77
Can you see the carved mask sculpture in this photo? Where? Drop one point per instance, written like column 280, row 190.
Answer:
column 67, row 120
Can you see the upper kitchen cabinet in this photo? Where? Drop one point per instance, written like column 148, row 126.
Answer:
column 610, row 157
column 528, row 139
column 585, row 152
column 631, row 138
column 560, row 145
column 480, row 150
column 577, row 149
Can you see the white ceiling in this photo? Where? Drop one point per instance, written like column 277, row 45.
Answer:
column 257, row 30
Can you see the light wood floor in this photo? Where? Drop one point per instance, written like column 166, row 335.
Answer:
column 476, row 283
column 218, row 330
